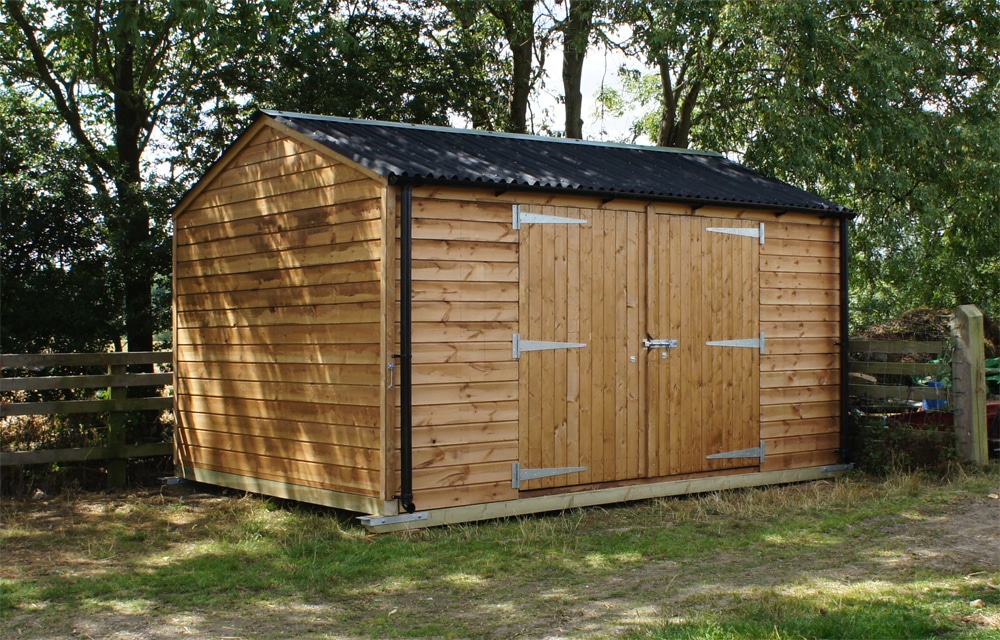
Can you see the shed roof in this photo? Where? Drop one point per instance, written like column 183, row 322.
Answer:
column 439, row 155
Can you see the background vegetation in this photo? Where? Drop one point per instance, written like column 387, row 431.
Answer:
column 110, row 109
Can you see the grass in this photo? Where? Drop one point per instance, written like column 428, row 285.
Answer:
column 906, row 557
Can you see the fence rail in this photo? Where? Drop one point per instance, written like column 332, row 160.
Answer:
column 967, row 395
column 117, row 380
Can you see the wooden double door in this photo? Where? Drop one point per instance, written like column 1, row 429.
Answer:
column 640, row 346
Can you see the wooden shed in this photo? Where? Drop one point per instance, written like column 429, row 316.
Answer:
column 430, row 325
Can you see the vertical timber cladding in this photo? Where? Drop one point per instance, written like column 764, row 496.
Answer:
column 277, row 292
column 465, row 291
column 616, row 407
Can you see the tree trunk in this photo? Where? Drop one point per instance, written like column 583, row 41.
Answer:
column 131, row 231
column 576, row 36
column 518, row 19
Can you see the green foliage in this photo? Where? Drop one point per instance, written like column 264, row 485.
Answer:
column 883, row 447
column 54, row 293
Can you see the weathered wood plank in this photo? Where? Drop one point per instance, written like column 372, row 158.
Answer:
column 437, row 373
column 800, row 411
column 792, row 346
column 352, row 354
column 794, row 329
column 281, row 241
column 298, row 220
column 464, row 251
column 791, row 280
column 277, row 278
column 338, row 254
column 825, row 297
column 474, row 352
column 796, row 362
column 67, row 407
column 466, row 454
column 270, row 167
column 464, row 413
column 275, row 186
column 345, row 435
column 463, row 211
column 884, row 391
column 348, row 479
column 454, row 331
column 323, row 413
column 896, row 346
column 799, row 378
column 799, row 264
column 286, row 297
column 356, row 333
column 459, row 434
column 277, row 391
column 450, row 271
column 45, row 456
column 319, row 314
column 800, row 248
column 471, row 392
column 307, row 199
column 349, row 374
column 797, row 444
column 46, row 360
column 806, row 427
column 792, row 395
column 459, row 230
column 805, row 313
column 898, row 368
column 86, row 382
column 425, row 290
column 801, row 460
column 301, row 451
column 802, row 232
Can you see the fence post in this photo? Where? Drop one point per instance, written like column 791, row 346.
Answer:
column 118, row 462
column 969, row 380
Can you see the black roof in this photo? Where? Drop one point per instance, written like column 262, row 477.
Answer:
column 438, row 155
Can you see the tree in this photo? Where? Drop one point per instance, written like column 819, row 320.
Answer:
column 116, row 73
column 576, row 29
column 53, row 291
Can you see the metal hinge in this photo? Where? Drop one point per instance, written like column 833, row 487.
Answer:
column 538, row 218
column 836, row 468
column 519, row 475
column 756, row 452
column 519, row 346
column 751, row 343
column 740, row 231
column 375, row 521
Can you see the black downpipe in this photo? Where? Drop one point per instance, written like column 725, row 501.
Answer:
column 405, row 496
column 845, row 329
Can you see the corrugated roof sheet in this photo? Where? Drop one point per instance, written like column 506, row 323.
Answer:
column 403, row 152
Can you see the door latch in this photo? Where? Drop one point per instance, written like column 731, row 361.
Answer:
column 660, row 344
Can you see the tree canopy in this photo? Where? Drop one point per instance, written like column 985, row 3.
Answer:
column 112, row 108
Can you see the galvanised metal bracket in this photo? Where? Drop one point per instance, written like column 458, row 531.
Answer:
column 519, row 475
column 538, row 218
column 756, row 452
column 740, row 231
column 750, row 343
column 834, row 468
column 519, row 346
column 376, row 521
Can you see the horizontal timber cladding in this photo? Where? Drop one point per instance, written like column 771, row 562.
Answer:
column 465, row 312
column 800, row 314
column 278, row 320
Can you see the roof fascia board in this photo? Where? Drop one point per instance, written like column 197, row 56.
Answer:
column 321, row 148
column 217, row 167
column 489, row 134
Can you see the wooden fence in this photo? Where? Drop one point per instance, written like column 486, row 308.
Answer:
column 116, row 381
column 965, row 393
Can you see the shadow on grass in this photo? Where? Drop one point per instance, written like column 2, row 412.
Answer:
column 231, row 566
